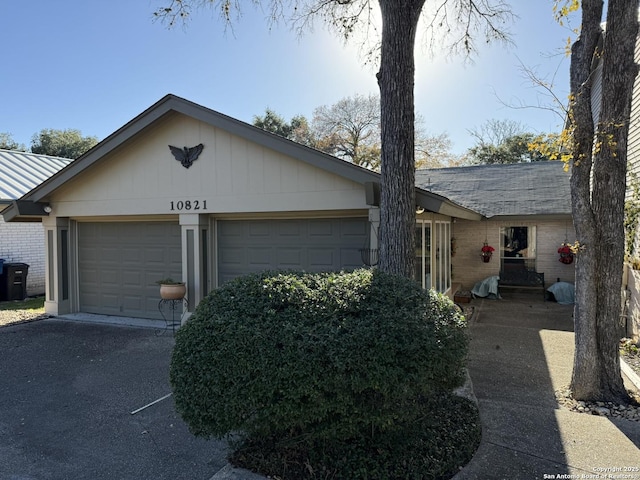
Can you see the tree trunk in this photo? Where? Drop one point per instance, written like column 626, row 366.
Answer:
column 397, row 183
column 599, row 212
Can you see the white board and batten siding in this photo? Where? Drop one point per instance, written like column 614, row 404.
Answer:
column 232, row 175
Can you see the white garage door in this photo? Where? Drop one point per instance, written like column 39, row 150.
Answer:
column 119, row 264
column 312, row 245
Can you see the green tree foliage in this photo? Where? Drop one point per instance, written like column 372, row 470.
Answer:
column 506, row 141
column 297, row 129
column 456, row 24
column 515, row 149
column 62, row 143
column 274, row 123
column 8, row 143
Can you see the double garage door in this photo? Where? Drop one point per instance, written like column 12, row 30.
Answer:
column 119, row 263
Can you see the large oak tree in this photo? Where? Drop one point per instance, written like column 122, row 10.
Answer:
column 598, row 179
column 455, row 23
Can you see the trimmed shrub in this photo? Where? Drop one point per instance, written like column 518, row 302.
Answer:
column 330, row 356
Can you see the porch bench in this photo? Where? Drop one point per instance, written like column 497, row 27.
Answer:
column 523, row 278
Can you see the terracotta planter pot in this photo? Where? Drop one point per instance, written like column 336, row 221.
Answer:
column 173, row 292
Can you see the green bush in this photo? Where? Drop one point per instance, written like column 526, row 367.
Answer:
column 330, row 355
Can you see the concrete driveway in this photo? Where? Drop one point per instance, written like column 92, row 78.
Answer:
column 67, row 390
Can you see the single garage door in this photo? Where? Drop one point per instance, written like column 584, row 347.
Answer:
column 119, row 264
column 312, row 245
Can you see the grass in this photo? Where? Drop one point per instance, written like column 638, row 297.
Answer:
column 436, row 447
column 34, row 305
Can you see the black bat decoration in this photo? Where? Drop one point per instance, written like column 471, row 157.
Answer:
column 185, row 155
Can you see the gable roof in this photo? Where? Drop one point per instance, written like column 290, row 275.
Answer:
column 171, row 105
column 23, row 171
column 538, row 188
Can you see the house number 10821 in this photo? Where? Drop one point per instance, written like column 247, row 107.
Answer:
column 188, row 205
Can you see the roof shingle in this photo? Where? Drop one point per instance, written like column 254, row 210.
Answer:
column 538, row 188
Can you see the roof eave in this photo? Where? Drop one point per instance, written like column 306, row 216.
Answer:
column 531, row 217
column 442, row 205
column 25, row 211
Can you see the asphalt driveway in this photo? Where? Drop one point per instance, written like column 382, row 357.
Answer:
column 67, row 390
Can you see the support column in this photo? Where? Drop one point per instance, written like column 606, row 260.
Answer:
column 57, row 265
column 374, row 226
column 195, row 257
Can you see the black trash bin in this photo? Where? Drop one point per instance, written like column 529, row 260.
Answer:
column 13, row 281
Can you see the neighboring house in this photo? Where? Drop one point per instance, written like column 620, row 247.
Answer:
column 20, row 172
column 127, row 213
column 631, row 276
column 526, row 210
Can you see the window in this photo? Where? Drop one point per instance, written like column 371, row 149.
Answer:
column 518, row 248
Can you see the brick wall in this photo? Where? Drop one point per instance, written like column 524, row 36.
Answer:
column 24, row 243
column 468, row 267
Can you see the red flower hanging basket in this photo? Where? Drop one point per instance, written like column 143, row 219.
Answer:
column 486, row 252
column 566, row 254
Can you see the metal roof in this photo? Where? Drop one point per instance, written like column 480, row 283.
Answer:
column 20, row 172
column 537, row 188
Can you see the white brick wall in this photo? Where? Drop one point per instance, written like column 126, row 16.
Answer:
column 468, row 267
column 24, row 243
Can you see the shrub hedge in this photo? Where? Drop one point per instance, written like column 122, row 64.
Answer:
column 330, row 355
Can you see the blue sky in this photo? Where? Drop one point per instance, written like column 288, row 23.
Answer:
column 94, row 65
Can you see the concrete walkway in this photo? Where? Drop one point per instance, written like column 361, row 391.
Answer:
column 521, row 352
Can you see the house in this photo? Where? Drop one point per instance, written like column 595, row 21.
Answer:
column 226, row 200
column 24, row 242
column 526, row 217
column 183, row 191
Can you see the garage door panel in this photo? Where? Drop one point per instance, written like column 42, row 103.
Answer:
column 232, row 256
column 132, row 303
column 108, row 255
column 351, row 258
column 110, row 301
column 259, row 257
column 322, row 259
column 109, row 277
column 289, row 229
column 233, row 229
column 154, row 255
column 349, row 229
column 322, row 228
column 130, row 254
column 119, row 264
column 246, row 246
column 257, row 229
column 290, row 258
column 132, row 278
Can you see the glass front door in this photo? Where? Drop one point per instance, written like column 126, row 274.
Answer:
column 433, row 254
